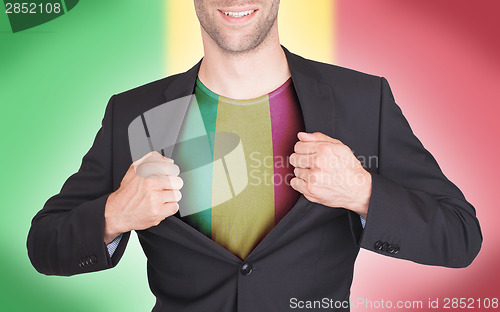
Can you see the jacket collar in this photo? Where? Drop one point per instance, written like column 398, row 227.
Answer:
column 315, row 96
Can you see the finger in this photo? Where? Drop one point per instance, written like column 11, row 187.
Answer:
column 301, row 186
column 316, row 137
column 157, row 157
column 171, row 196
column 170, row 208
column 149, row 170
column 306, row 147
column 171, row 183
column 157, row 169
column 164, row 183
column 152, row 156
column 298, row 184
column 311, row 176
column 135, row 164
column 146, row 156
column 172, row 169
column 132, row 169
column 302, row 161
column 302, row 173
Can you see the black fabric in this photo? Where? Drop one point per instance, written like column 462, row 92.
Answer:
column 310, row 254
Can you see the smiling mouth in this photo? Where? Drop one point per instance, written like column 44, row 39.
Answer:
column 239, row 14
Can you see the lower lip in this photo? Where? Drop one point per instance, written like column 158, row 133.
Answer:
column 237, row 20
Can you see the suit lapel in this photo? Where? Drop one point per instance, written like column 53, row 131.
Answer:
column 316, row 99
column 183, row 84
column 318, row 108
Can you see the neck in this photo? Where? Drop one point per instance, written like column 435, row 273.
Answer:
column 245, row 75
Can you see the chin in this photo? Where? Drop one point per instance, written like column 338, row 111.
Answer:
column 238, row 45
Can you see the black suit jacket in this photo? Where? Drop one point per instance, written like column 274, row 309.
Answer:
column 415, row 212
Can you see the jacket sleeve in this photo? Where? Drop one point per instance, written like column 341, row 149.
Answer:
column 415, row 212
column 67, row 236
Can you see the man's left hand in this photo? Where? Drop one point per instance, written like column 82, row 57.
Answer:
column 327, row 172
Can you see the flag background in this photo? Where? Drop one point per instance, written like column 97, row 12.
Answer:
column 441, row 59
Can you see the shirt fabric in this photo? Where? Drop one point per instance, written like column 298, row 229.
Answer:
column 267, row 127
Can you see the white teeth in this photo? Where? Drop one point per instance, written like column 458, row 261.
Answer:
column 239, row 14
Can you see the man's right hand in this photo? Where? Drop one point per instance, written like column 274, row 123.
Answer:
column 148, row 193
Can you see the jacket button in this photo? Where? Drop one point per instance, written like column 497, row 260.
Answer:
column 390, row 249
column 93, row 260
column 82, row 263
column 378, row 245
column 384, row 246
column 396, row 249
column 246, row 269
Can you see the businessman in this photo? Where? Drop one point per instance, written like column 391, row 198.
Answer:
column 297, row 237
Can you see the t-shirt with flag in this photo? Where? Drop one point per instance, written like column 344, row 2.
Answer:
column 259, row 136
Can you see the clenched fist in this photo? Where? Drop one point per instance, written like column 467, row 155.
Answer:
column 148, row 193
column 327, row 172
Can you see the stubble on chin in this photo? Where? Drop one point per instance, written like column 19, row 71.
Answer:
column 249, row 43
